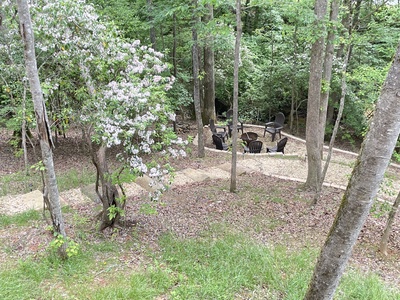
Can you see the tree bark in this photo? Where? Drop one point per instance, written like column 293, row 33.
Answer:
column 151, row 20
column 313, row 143
column 388, row 229
column 338, row 118
column 174, row 60
column 235, row 95
column 24, row 132
column 109, row 193
column 362, row 188
column 50, row 195
column 327, row 72
column 196, row 84
column 209, row 75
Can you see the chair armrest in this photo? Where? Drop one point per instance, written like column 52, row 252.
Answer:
column 269, row 123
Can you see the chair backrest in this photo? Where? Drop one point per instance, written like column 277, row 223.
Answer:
column 255, row 146
column 281, row 145
column 218, row 142
column 280, row 118
column 212, row 126
column 229, row 114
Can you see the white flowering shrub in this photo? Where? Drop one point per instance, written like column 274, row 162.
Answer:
column 114, row 86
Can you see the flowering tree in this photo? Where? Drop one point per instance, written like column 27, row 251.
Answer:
column 129, row 111
column 117, row 90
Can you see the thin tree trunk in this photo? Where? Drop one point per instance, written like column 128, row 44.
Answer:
column 51, row 195
column 327, row 73
column 361, row 190
column 338, row 118
column 209, row 77
column 151, row 20
column 235, row 95
column 109, row 193
column 313, row 143
column 293, row 104
column 24, row 132
column 174, row 63
column 196, row 85
column 388, row 229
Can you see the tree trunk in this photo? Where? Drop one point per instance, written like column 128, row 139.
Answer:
column 313, row 143
column 174, row 61
column 327, row 72
column 196, row 84
column 235, row 95
column 51, row 195
column 294, row 98
column 348, row 22
column 24, row 132
column 151, row 20
column 388, row 229
column 338, row 118
column 362, row 188
column 109, row 194
column 209, row 76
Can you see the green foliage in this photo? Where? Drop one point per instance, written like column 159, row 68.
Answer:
column 380, row 209
column 148, row 209
column 59, row 240
column 114, row 211
column 39, row 166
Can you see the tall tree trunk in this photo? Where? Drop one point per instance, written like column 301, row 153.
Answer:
column 327, row 72
column 349, row 21
column 388, row 229
column 209, row 76
column 24, row 132
column 293, row 104
column 313, row 143
column 362, row 188
column 338, row 118
column 196, row 83
column 174, row 61
column 151, row 20
column 50, row 195
column 235, row 95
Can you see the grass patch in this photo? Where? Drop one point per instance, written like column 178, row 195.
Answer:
column 217, row 265
column 356, row 285
column 221, row 268
column 74, row 178
column 20, row 183
column 21, row 219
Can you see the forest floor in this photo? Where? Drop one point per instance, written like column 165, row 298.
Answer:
column 272, row 209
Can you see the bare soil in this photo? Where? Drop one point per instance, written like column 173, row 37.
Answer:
column 270, row 210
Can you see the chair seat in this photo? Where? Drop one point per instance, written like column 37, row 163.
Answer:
column 271, row 130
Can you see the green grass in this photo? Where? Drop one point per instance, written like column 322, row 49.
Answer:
column 21, row 219
column 221, row 268
column 219, row 264
column 20, row 183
